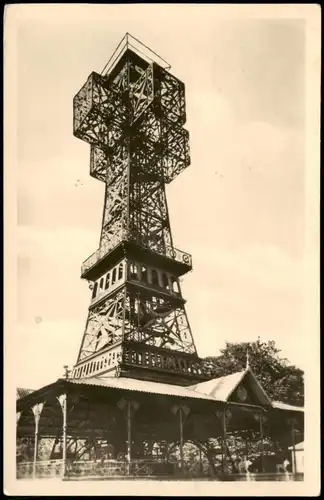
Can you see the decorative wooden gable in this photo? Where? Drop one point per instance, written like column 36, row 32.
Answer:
column 249, row 391
column 240, row 387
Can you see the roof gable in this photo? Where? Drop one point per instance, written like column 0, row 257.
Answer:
column 219, row 388
column 239, row 387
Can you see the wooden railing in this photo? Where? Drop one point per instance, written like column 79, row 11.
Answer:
column 24, row 470
column 264, row 476
column 108, row 468
column 135, row 468
column 43, row 469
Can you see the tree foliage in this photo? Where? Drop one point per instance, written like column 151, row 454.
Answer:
column 281, row 380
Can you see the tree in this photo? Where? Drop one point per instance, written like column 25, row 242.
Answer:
column 281, row 381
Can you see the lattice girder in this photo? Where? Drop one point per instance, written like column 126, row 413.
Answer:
column 146, row 216
column 116, row 199
column 142, row 93
column 99, row 113
column 154, row 320
column 146, row 164
column 149, row 232
column 98, row 163
column 113, row 234
column 165, row 141
column 169, row 93
column 104, row 325
column 176, row 155
column 157, row 322
column 150, row 198
column 118, row 161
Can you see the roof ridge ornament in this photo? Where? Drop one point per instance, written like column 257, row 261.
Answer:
column 67, row 372
column 247, row 364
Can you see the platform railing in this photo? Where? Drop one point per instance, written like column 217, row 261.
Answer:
column 101, row 253
column 170, row 252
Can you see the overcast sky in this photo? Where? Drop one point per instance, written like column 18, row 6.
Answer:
column 238, row 209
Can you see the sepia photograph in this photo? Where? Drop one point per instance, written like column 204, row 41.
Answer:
column 161, row 201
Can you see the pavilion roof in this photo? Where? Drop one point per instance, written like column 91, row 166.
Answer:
column 121, row 383
column 132, row 384
column 217, row 390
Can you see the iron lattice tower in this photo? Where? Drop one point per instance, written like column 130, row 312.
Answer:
column 132, row 115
